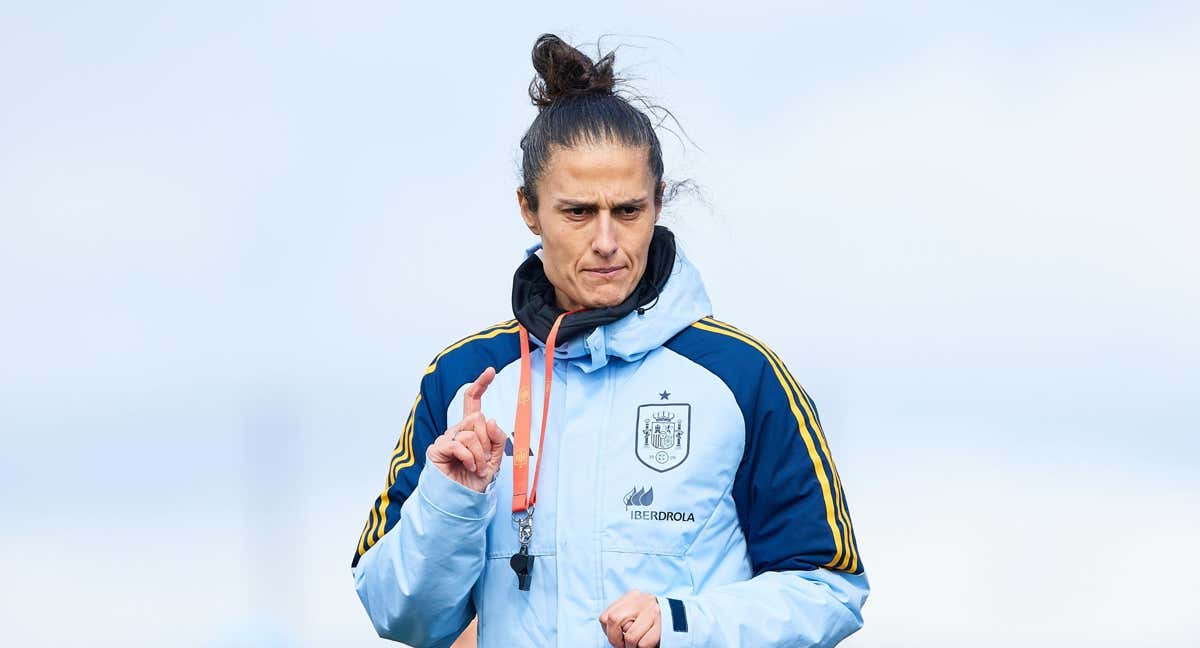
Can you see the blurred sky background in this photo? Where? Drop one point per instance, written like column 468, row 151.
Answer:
column 234, row 233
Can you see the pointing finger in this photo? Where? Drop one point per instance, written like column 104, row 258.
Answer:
column 472, row 398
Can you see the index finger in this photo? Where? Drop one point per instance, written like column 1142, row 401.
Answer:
column 473, row 397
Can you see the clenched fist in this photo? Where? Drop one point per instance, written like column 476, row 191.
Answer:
column 470, row 451
column 633, row 621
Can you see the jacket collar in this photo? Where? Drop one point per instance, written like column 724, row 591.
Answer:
column 669, row 297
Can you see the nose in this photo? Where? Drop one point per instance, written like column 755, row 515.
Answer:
column 604, row 243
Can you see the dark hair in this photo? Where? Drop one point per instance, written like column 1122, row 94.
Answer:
column 577, row 103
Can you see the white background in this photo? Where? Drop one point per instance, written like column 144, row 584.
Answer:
column 232, row 235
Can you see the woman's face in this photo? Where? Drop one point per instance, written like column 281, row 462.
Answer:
column 596, row 215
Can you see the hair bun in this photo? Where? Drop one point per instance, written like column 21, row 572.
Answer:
column 563, row 71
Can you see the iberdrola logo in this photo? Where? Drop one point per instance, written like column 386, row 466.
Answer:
column 638, row 498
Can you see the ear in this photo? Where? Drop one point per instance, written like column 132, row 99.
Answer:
column 528, row 215
column 658, row 201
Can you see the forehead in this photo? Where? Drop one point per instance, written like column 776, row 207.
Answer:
column 597, row 167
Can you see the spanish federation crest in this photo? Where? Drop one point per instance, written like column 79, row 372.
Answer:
column 663, row 435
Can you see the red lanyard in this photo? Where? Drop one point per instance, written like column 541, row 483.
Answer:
column 523, row 501
column 522, row 504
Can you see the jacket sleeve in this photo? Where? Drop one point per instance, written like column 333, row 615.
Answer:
column 424, row 543
column 819, row 607
column 809, row 585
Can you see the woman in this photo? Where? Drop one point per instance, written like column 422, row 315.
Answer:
column 666, row 482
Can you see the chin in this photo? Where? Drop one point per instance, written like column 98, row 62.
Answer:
column 604, row 300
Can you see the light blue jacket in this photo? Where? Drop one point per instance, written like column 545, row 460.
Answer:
column 681, row 459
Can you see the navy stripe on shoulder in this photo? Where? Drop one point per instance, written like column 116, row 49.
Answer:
column 476, row 341
column 806, row 524
column 463, row 361
column 457, row 365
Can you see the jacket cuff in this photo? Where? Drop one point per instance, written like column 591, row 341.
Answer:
column 452, row 499
column 673, row 619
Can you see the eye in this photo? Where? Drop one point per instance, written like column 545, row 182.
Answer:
column 629, row 211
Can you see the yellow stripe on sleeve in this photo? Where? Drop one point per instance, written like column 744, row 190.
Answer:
column 364, row 543
column 402, row 454
column 363, row 536
column 851, row 542
column 510, row 326
column 850, row 558
column 402, row 459
column 831, row 514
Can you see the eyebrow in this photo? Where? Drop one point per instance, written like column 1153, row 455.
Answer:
column 569, row 203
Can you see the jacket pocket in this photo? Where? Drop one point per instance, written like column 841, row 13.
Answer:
column 511, row 617
column 662, row 514
column 654, row 573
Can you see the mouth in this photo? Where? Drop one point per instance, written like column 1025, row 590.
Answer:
column 607, row 272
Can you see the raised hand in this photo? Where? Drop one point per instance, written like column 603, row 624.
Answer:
column 470, row 450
